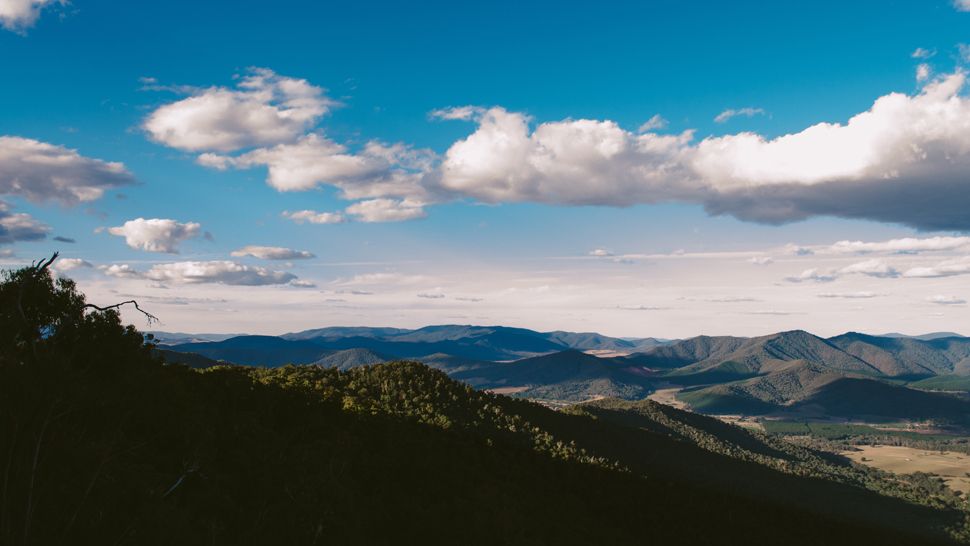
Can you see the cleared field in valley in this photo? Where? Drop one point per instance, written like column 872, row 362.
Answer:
column 951, row 466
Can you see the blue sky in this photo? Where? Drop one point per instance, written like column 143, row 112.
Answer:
column 542, row 207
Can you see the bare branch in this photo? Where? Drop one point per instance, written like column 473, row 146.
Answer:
column 151, row 318
column 42, row 265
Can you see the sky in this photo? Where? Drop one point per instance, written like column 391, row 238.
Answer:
column 642, row 169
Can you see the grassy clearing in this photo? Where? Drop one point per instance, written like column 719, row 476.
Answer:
column 953, row 467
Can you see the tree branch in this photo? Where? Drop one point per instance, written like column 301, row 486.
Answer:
column 151, row 318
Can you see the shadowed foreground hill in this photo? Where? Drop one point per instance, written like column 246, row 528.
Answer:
column 100, row 443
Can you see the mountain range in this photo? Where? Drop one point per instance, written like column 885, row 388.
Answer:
column 851, row 375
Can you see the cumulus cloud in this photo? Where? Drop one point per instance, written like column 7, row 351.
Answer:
column 903, row 160
column 730, row 113
column 264, row 109
column 922, row 53
column 314, row 217
column 19, row 15
column 40, row 172
column 946, row 300
column 67, row 264
column 156, row 234
column 761, row 260
column 386, row 210
column 946, row 268
column 377, row 170
column 577, row 162
column 120, row 271
column 218, row 271
column 962, row 5
column 904, row 150
column 19, row 226
column 272, row 253
column 600, row 253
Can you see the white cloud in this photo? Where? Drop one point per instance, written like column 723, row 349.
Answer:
column 904, row 160
column 462, row 113
column 947, row 268
column 812, row 275
column 579, row 162
column 68, row 264
column 730, row 113
column 121, row 271
column 300, row 283
column 962, row 5
column 641, row 308
column 19, row 226
column 264, row 109
column 761, row 260
column 314, row 217
column 272, row 253
column 908, row 245
column 218, row 271
column 44, row 172
column 19, row 15
column 922, row 53
column 652, row 124
column 431, row 295
column 923, row 72
column 156, row 234
column 377, row 170
column 849, row 295
column 946, row 300
column 871, row 268
column 386, row 210
column 964, row 52
column 600, row 253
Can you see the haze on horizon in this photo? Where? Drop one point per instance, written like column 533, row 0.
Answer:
column 735, row 169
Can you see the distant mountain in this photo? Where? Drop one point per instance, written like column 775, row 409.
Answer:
column 179, row 338
column 924, row 337
column 908, row 357
column 257, row 350
column 336, row 332
column 568, row 375
column 729, row 359
column 482, row 343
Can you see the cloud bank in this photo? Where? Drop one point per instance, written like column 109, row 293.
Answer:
column 904, row 160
